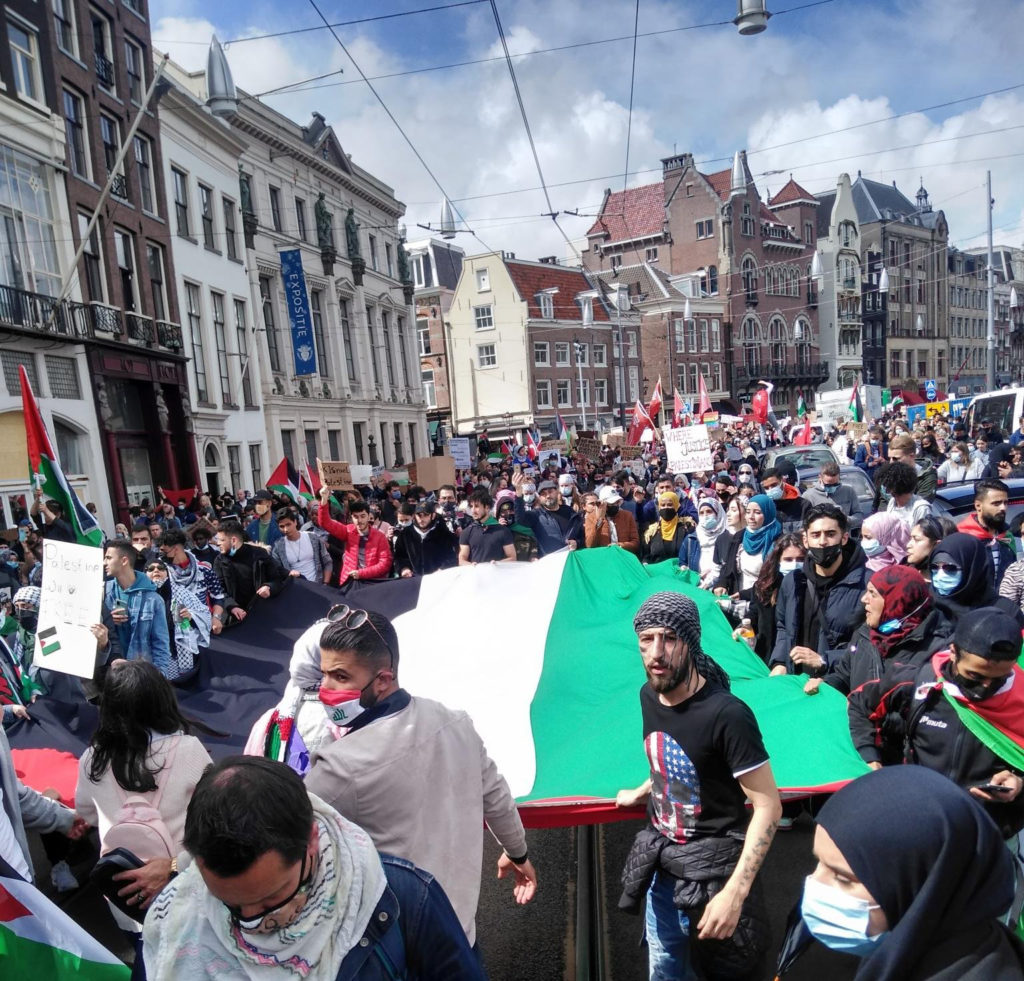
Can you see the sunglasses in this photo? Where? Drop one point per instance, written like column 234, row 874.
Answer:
column 252, row 922
column 354, row 619
column 951, row 568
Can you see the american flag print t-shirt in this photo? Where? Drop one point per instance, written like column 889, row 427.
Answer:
column 697, row 750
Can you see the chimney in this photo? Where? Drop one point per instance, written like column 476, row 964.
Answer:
column 549, row 260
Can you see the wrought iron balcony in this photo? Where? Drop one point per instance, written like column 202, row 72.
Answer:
column 104, row 71
column 168, row 335
column 850, row 283
column 140, row 329
column 38, row 313
column 799, row 373
column 119, row 187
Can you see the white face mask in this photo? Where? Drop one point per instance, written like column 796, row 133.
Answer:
column 791, row 566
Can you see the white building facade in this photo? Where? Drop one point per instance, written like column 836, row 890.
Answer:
column 201, row 153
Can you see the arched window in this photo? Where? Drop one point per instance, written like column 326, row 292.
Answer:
column 713, row 280
column 750, row 336
column 793, row 281
column 749, row 275
column 210, row 459
column 769, row 280
column 802, row 336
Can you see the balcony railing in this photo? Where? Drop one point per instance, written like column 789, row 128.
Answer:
column 140, row 329
column 104, row 71
column 850, row 283
column 119, row 187
column 168, row 335
column 806, row 373
column 39, row 314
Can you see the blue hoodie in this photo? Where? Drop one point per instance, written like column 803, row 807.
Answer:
column 145, row 634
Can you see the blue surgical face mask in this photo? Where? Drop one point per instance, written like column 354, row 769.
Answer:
column 708, row 521
column 829, row 489
column 787, row 567
column 872, row 547
column 775, row 493
column 945, row 583
column 232, row 550
column 838, row 921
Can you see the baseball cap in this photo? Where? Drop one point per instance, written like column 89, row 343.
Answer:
column 25, row 523
column 609, row 495
column 424, row 508
column 263, row 495
column 990, row 633
column 547, row 485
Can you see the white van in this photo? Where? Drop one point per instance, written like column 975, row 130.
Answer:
column 1002, row 408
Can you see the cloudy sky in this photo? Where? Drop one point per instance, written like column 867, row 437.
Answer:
column 811, row 96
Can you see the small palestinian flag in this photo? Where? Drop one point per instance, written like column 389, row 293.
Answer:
column 801, row 406
column 285, row 480
column 854, row 408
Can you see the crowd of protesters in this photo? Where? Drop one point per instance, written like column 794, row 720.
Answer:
column 912, row 615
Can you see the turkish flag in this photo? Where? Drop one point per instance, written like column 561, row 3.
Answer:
column 761, row 406
column 677, row 410
column 641, row 421
column 656, row 400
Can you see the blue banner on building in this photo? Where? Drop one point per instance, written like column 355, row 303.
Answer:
column 303, row 347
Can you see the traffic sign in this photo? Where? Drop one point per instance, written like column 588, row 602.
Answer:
column 930, row 389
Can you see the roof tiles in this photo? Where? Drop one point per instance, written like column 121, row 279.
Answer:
column 633, row 213
column 531, row 278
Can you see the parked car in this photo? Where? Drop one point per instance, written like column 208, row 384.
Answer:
column 802, row 457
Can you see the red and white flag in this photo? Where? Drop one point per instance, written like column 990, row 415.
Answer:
column 677, row 410
column 705, row 402
column 641, row 421
column 656, row 400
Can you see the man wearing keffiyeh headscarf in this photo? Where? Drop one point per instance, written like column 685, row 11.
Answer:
column 697, row 859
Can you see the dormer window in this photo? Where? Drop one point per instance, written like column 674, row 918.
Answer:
column 546, row 302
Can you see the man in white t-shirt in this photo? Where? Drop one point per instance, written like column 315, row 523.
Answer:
column 300, row 552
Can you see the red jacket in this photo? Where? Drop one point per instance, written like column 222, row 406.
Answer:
column 378, row 552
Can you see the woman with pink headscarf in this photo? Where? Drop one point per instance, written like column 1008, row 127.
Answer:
column 884, row 539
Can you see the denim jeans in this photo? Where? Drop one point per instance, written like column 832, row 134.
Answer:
column 668, row 933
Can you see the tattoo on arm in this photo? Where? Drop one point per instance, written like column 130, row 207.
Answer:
column 753, row 855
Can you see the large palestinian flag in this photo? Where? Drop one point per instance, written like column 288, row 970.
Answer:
column 543, row 657
column 38, row 940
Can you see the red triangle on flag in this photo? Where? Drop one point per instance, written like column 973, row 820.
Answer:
column 10, row 908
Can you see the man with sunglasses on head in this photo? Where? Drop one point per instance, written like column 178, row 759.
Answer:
column 283, row 886
column 413, row 773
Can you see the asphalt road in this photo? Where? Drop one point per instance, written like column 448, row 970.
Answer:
column 538, row 941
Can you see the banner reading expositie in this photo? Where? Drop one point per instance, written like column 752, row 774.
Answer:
column 303, row 346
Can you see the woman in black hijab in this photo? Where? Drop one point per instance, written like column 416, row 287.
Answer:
column 913, row 876
column 961, row 571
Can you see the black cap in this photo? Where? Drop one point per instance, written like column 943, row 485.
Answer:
column 424, row 508
column 263, row 495
column 990, row 633
column 407, row 510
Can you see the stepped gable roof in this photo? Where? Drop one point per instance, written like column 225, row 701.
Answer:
column 634, row 213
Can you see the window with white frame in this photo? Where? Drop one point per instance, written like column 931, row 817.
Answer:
column 704, row 336
column 681, row 379
column 582, row 353
column 634, row 382
column 547, row 305
column 102, row 40
column 227, row 206
column 678, row 331
column 541, row 354
column 483, row 280
column 600, row 355
column 563, row 393
column 600, row 391
column 373, row 256
column 429, row 392
column 561, row 353
column 583, row 391
column 486, row 356
column 144, row 171
column 93, row 258
column 716, row 376
column 124, row 243
column 631, row 343
column 24, row 48
column 64, row 26
column 134, row 68
column 110, row 134
column 157, row 286
column 206, row 214
column 542, row 392
column 615, row 261
column 716, row 336
column 693, row 378
column 691, row 335
column 180, row 180
column 423, row 335
column 483, row 317
column 417, row 271
column 75, row 132
column 705, row 229
column 651, row 253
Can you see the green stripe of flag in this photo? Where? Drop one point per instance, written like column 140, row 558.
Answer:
column 995, row 739
column 23, row 958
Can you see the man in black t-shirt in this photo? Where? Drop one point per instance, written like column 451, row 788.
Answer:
column 706, row 758
column 485, row 540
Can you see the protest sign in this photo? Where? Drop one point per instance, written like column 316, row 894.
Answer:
column 856, row 430
column 433, row 471
column 630, row 452
column 590, row 448
column 688, row 449
column 70, row 603
column 614, row 439
column 363, row 473
column 637, row 467
column 335, row 474
column 553, row 445
column 459, row 451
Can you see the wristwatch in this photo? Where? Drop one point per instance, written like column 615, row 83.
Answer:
column 174, row 867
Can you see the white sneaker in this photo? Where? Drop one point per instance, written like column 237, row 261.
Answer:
column 63, row 878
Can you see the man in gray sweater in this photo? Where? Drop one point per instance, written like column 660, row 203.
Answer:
column 829, row 489
column 411, row 772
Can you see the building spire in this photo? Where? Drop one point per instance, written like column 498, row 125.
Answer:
column 738, row 184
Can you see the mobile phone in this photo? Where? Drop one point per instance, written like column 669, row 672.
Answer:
column 994, row 788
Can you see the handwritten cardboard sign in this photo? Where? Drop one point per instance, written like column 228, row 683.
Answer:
column 335, row 474
column 70, row 603
column 688, row 449
column 630, row 452
column 590, row 448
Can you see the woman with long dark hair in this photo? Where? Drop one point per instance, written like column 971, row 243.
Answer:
column 141, row 746
column 786, row 557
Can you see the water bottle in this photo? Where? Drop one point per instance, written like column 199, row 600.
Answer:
column 746, row 632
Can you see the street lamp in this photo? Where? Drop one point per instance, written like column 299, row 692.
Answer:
column 751, row 16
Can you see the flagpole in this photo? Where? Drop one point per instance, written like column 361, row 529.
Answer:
column 578, row 347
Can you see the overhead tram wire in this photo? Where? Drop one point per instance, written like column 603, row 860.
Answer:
column 398, row 125
column 524, row 54
column 529, row 134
